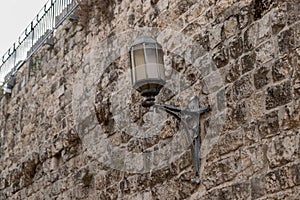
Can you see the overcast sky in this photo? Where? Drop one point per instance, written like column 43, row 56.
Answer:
column 15, row 16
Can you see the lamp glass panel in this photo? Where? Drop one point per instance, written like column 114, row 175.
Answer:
column 151, row 55
column 152, row 70
column 141, row 72
column 139, row 63
column 138, row 53
column 160, row 56
column 161, row 63
column 152, row 67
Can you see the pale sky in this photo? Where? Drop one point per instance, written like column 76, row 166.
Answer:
column 15, row 16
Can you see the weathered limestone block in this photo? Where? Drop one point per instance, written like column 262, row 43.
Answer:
column 260, row 8
column 296, row 85
column 264, row 27
column 241, row 190
column 230, row 26
column 220, row 58
column 3, row 183
column 250, row 37
column 242, row 88
column 290, row 119
column 295, row 173
column 194, row 52
column 282, row 150
column 257, row 186
column 215, row 36
column 139, row 145
column 235, row 191
column 257, row 106
column 162, row 4
column 269, row 125
column 165, row 190
column 203, row 40
column 222, row 5
column 277, row 180
column 169, row 129
column 240, row 114
column 281, row 70
column 296, row 29
column 244, row 17
column 278, row 95
column 293, row 11
column 265, row 52
column 261, row 77
column 230, row 141
column 279, row 18
column 212, row 83
column 236, row 48
column 251, row 135
column 286, row 41
column 221, row 170
column 221, row 193
column 253, row 160
column 222, row 100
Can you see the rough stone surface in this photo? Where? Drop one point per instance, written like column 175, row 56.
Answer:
column 73, row 127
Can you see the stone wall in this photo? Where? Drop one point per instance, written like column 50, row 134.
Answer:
column 73, row 127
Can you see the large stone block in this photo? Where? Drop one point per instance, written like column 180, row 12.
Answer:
column 265, row 52
column 240, row 113
column 278, row 95
column 277, row 180
column 215, row 36
column 203, row 40
column 279, row 18
column 244, row 17
column 282, row 150
column 286, row 41
column 166, row 190
column 269, row 125
column 3, row 183
column 251, row 135
column 261, row 77
column 242, row 88
column 257, row 187
column 220, row 58
column 281, row 70
column 230, row 141
column 295, row 169
column 253, row 160
column 220, row 193
column 231, row 72
column 250, row 37
column 248, row 62
column 220, row 171
column 236, row 48
column 290, row 118
column 256, row 106
column 230, row 26
column 241, row 190
column 293, row 8
column 264, row 27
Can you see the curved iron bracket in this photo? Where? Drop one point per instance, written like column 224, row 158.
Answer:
column 189, row 117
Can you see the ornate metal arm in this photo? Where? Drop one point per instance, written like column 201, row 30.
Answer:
column 189, row 117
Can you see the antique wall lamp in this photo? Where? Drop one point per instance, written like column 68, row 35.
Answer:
column 148, row 77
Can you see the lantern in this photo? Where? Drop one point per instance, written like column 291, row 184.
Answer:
column 147, row 68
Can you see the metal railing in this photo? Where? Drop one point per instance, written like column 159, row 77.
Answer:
column 53, row 13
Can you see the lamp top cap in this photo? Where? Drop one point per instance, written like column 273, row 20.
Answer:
column 144, row 39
